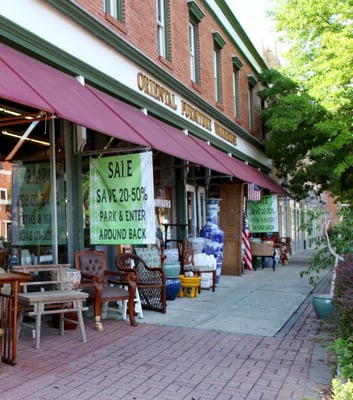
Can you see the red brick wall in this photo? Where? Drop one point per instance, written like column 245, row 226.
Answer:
column 140, row 29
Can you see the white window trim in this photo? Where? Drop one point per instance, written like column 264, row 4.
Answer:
column 161, row 28
column 192, row 38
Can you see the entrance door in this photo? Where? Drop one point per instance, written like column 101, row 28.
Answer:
column 231, row 222
column 195, row 209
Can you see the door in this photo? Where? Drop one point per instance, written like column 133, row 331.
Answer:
column 195, row 209
column 231, row 222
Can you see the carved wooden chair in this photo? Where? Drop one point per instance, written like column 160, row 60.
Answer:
column 151, row 284
column 186, row 254
column 99, row 282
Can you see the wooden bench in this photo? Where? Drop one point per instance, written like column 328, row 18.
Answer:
column 49, row 297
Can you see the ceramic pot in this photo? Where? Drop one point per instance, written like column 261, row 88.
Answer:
column 213, row 234
column 198, row 243
column 323, row 306
column 171, row 270
column 173, row 286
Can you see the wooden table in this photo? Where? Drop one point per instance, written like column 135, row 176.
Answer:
column 49, row 303
column 8, row 313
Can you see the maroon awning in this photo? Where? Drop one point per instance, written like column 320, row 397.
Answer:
column 240, row 169
column 38, row 85
column 15, row 89
column 161, row 136
column 30, row 82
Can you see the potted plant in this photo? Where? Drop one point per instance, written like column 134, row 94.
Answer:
column 335, row 241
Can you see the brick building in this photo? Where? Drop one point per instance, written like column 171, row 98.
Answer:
column 86, row 80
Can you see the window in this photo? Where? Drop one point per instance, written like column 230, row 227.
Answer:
column 219, row 43
column 251, row 83
column 216, row 76
column 3, row 196
column 195, row 15
column 193, row 55
column 115, row 9
column 163, row 29
column 237, row 64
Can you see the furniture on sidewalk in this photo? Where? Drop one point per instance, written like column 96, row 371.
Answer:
column 187, row 253
column 283, row 244
column 177, row 233
column 49, row 298
column 262, row 250
column 8, row 313
column 200, row 271
column 190, row 286
column 103, row 285
column 151, row 282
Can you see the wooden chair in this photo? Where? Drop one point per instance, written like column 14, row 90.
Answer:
column 186, row 253
column 100, row 283
column 149, row 274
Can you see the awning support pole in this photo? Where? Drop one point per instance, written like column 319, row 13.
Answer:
column 54, row 210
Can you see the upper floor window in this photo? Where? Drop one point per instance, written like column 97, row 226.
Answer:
column 193, row 52
column 219, row 43
column 115, row 9
column 251, row 85
column 237, row 64
column 163, row 29
column 3, row 195
column 195, row 16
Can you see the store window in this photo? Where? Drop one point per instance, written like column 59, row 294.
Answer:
column 195, row 15
column 38, row 198
column 237, row 64
column 219, row 43
column 163, row 29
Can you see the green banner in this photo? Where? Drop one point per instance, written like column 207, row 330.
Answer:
column 122, row 200
column 31, row 205
column 263, row 215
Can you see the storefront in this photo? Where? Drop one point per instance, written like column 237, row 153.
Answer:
column 54, row 124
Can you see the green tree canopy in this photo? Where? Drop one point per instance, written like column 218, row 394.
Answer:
column 309, row 117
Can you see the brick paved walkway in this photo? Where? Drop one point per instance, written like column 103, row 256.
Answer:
column 173, row 362
column 166, row 363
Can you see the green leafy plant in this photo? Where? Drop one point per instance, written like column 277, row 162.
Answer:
column 343, row 302
column 344, row 351
column 342, row 390
column 335, row 240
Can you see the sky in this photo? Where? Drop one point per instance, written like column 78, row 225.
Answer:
column 252, row 16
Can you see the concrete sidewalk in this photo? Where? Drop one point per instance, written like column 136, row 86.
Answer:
column 255, row 338
column 256, row 303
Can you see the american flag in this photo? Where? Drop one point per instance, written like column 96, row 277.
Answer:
column 247, row 257
column 254, row 192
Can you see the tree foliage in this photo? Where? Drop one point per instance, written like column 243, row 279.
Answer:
column 310, row 102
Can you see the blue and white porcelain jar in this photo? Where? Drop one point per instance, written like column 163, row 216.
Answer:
column 213, row 234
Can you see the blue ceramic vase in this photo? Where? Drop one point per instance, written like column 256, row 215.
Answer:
column 173, row 284
column 172, row 287
column 213, row 234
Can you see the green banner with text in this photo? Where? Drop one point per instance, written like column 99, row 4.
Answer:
column 32, row 205
column 263, row 215
column 122, row 200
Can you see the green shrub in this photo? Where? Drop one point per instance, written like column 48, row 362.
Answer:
column 344, row 352
column 342, row 390
column 343, row 297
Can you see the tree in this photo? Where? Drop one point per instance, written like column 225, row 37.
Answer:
column 310, row 102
